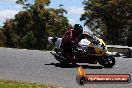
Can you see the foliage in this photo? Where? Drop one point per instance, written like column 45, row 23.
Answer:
column 111, row 19
column 34, row 24
column 29, row 41
column 2, row 38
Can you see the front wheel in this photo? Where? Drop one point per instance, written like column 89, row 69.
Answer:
column 107, row 61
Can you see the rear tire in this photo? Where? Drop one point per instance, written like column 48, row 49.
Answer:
column 62, row 61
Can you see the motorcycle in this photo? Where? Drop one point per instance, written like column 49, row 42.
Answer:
column 94, row 51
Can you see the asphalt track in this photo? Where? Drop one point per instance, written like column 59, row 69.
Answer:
column 41, row 67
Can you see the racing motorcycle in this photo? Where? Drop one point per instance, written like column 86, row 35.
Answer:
column 94, row 51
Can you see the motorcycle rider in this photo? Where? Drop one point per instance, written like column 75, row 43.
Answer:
column 69, row 43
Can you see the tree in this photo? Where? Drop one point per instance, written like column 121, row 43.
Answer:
column 2, row 38
column 34, row 24
column 29, row 41
column 111, row 19
column 11, row 39
column 58, row 21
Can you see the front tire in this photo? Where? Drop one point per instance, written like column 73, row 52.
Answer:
column 107, row 61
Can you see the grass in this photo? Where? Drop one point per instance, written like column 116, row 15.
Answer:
column 15, row 84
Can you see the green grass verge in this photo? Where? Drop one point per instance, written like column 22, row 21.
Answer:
column 15, row 84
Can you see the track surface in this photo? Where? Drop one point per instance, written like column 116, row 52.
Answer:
column 41, row 67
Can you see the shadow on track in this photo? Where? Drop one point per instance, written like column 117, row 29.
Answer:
column 74, row 66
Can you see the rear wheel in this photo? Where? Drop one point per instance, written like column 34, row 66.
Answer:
column 61, row 60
